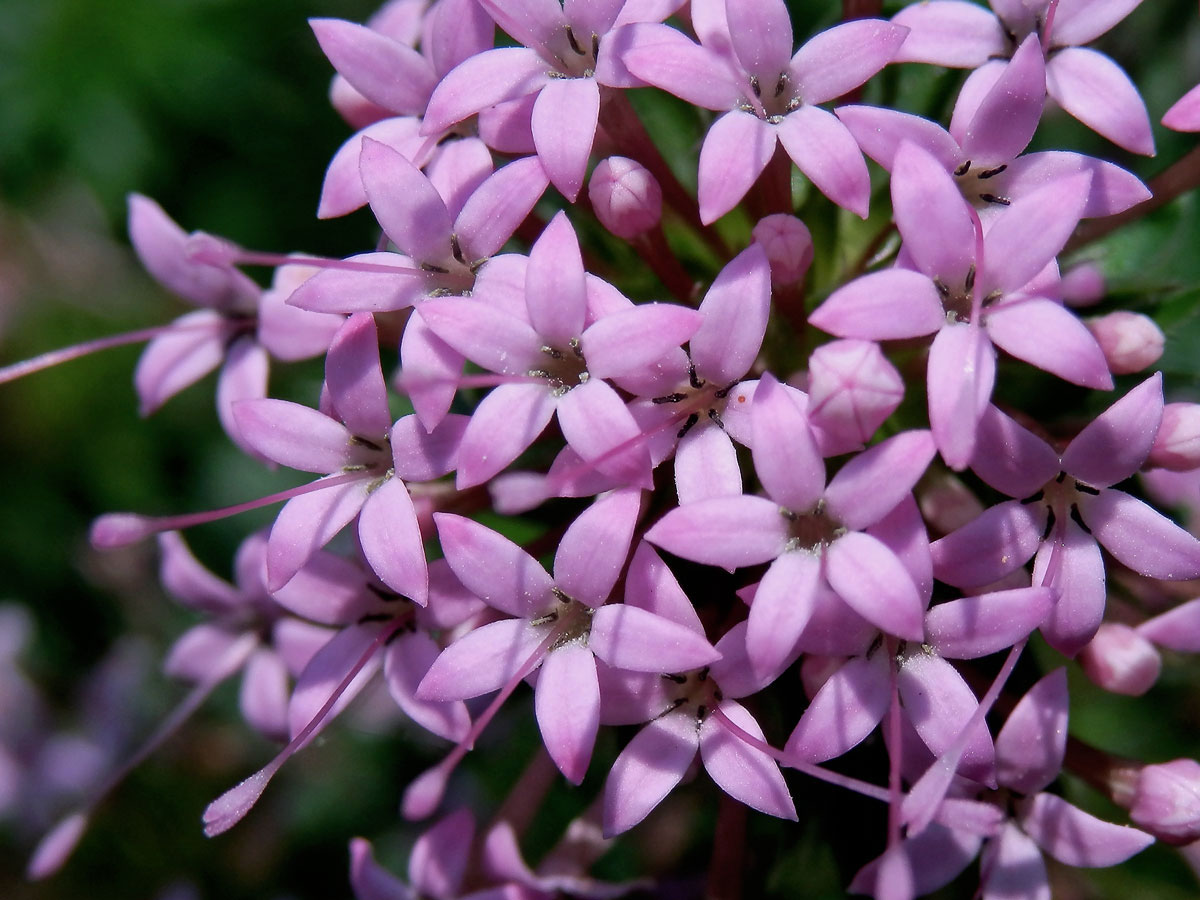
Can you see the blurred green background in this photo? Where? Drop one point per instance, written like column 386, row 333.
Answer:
column 218, row 110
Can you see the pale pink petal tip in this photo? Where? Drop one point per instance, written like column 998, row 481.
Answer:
column 56, row 847
column 113, row 530
column 424, row 794
column 231, row 807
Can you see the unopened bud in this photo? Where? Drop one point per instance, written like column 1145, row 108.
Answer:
column 625, row 197
column 788, row 244
column 1177, row 444
column 1166, row 801
column 852, row 388
column 1120, row 660
column 1082, row 286
column 1130, row 341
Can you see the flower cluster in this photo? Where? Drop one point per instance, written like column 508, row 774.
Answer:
column 773, row 472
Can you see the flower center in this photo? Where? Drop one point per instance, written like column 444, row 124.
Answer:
column 563, row 369
column 812, row 531
column 975, row 184
column 575, row 55
column 771, row 101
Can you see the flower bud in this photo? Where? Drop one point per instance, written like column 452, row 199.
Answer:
column 1130, row 341
column 625, row 197
column 852, row 388
column 788, row 244
column 1177, row 444
column 1082, row 286
column 1120, row 660
column 1166, row 801
column 947, row 503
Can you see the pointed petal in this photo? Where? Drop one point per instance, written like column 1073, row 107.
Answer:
column 329, row 589
column 1005, row 120
column 1013, row 868
column 873, row 482
column 785, row 455
column 490, row 337
column 932, row 216
column 391, row 541
column 385, row 71
column 744, row 772
column 481, row 661
column 430, row 372
column 1116, row 443
column 325, row 673
column 406, row 204
column 1097, row 92
column 355, row 378
column 567, row 703
column 1079, row 581
column 263, row 699
column 306, row 524
column 971, row 627
column 962, row 370
column 370, row 880
column 624, row 342
column 938, row 703
column 1113, row 189
column 950, row 33
column 879, row 133
column 564, row 126
column 736, row 149
column 440, row 856
column 665, row 58
column 1140, row 537
column 735, row 308
column 706, row 465
column 762, row 40
column 600, row 428
column 190, row 582
column 839, row 59
column 295, row 435
column 179, row 358
column 628, row 637
column 1011, row 458
column 593, row 550
column 493, row 567
column 406, row 661
column 782, row 607
column 502, row 427
column 725, row 531
column 1031, row 745
column 340, row 291
column 1046, row 335
column 826, row 152
column 482, row 81
column 243, row 377
column 493, row 212
column 1176, row 629
column 648, row 769
column 844, row 711
column 881, row 306
column 554, row 287
column 1076, row 838
column 995, row 543
column 875, row 584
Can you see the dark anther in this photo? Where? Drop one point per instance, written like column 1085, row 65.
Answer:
column 793, row 104
column 788, row 514
column 1078, row 519
column 670, row 398
column 963, row 168
column 1049, row 525
column 374, row 617
column 970, row 283
column 943, row 291
column 545, row 620
column 595, row 45
column 430, row 267
column 724, row 392
column 1034, row 498
column 693, row 378
column 574, row 43
column 384, row 594
column 701, row 713
column 775, row 119
column 755, row 86
column 538, row 373
column 703, row 676
column 875, row 645
column 716, row 417
column 718, row 695
column 992, row 198
column 996, row 171
column 552, row 352
column 675, row 704
column 363, row 442
column 678, row 679
column 689, row 424
column 573, row 343
column 1061, row 476
column 457, row 249
column 561, row 595
column 1087, row 489
column 781, row 84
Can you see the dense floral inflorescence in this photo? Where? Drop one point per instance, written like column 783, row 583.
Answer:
column 764, row 481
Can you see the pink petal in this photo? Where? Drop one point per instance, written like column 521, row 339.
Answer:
column 1076, row 838
column 482, row 661
column 736, row 150
column 744, row 772
column 875, row 584
column 430, row 371
column 1005, row 120
column 1116, row 443
column 593, row 550
column 243, row 377
column 391, row 541
column 724, row 531
column 188, row 581
column 554, row 286
column 624, row 342
column 938, row 703
column 932, row 216
column 762, row 39
column 1097, row 92
column 839, row 59
column 406, row 204
column 339, row 290
column 371, row 881
column 493, row 212
column 962, row 370
column 567, row 703
column 785, row 456
column 458, row 169
column 992, row 545
column 440, row 856
column 1031, row 745
column 887, row 305
column 706, row 465
column 407, row 660
column 665, row 58
column 880, row 132
column 179, row 358
column 950, row 33
column 342, row 191
column 493, row 338
column 1044, row 334
column 826, row 152
column 306, row 524
column 494, row 568
column 873, row 482
column 1113, row 189
column 648, row 769
column 295, row 435
column 1140, row 537
column 263, row 699
column 971, row 627
column 1080, row 584
column 627, row 637
column 782, row 607
column 1184, row 114
column 385, row 71
column 355, row 378
column 482, row 81
column 329, row 589
column 1013, row 868
column 599, row 427
column 735, row 308
column 503, row 426
column 1011, row 458
column 1082, row 21
column 1176, row 629
column 564, row 126
column 326, row 671
column 649, row 585
column 844, row 711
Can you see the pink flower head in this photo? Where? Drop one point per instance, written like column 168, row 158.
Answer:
column 744, row 67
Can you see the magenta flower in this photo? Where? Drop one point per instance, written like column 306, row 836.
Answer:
column 1085, row 83
column 744, row 67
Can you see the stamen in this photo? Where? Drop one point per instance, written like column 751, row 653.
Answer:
column 1078, row 519
column 970, row 282
column 993, row 198
column 688, row 425
column 669, row 398
column 781, row 84
column 942, row 289
column 1087, row 489
column 716, row 417
column 755, row 86
column 574, row 43
column 595, row 46
column 693, row 379
column 1034, row 498
column 1049, row 525
column 963, row 168
column 991, row 172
